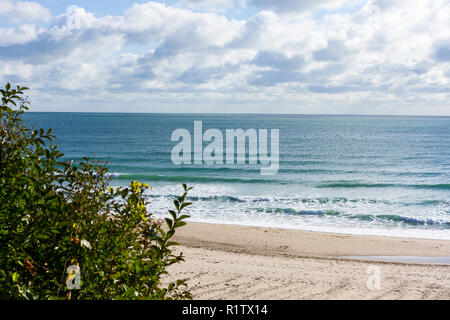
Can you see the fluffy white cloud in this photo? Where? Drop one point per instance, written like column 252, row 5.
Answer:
column 18, row 11
column 213, row 5
column 347, row 59
column 22, row 34
column 289, row 6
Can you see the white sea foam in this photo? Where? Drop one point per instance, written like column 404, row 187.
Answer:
column 227, row 204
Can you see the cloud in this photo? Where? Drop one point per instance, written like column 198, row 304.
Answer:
column 285, row 6
column 204, row 75
column 18, row 11
column 14, row 36
column 334, row 51
column 213, row 5
column 442, row 53
column 274, row 77
column 174, row 55
column 334, row 89
column 278, row 60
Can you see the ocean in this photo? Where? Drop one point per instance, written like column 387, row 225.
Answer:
column 374, row 175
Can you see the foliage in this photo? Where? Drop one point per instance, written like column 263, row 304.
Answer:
column 58, row 218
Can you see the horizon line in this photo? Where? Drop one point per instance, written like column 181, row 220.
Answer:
column 242, row 113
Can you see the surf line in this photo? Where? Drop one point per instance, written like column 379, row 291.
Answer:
column 235, row 147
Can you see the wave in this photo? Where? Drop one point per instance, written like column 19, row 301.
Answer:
column 443, row 186
column 434, row 202
column 187, row 179
column 389, row 218
column 286, row 206
column 402, row 219
column 113, row 174
column 355, row 185
column 213, row 179
column 250, row 169
column 217, row 198
column 227, row 198
column 362, row 217
column 303, row 200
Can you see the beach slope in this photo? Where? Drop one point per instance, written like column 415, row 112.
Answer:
column 239, row 262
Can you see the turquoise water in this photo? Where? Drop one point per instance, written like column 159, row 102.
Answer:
column 378, row 175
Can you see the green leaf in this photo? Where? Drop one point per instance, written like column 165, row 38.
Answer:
column 42, row 236
column 15, row 277
column 179, row 224
column 173, row 214
column 185, row 204
column 169, row 222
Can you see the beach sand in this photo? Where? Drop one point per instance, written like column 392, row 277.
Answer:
column 240, row 262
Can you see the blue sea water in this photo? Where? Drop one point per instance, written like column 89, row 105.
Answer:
column 380, row 175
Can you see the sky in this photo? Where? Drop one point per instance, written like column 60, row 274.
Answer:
column 229, row 56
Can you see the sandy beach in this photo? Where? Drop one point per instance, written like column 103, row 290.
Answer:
column 239, row 262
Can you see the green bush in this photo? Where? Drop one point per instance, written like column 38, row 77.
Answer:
column 61, row 222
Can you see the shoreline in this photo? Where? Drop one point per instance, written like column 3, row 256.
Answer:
column 239, row 262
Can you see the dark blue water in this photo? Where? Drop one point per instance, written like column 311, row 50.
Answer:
column 354, row 174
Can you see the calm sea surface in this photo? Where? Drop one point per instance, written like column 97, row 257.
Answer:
column 377, row 175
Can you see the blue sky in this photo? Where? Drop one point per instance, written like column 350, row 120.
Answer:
column 262, row 56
